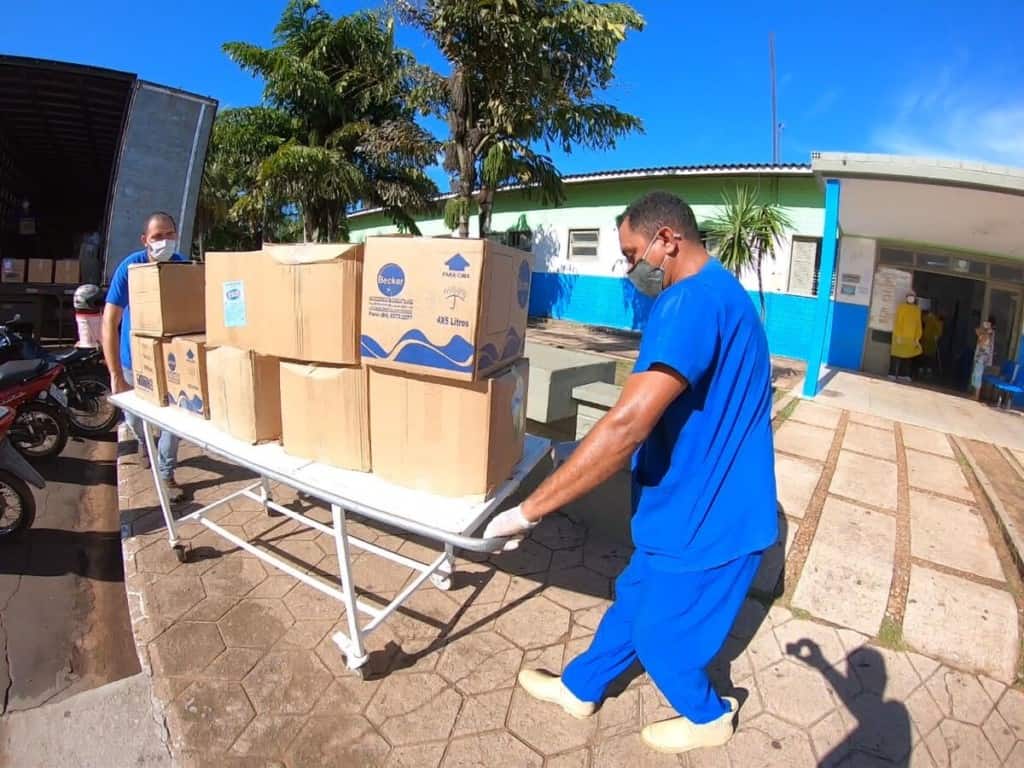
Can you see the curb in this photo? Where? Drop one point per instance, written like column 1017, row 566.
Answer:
column 1012, row 533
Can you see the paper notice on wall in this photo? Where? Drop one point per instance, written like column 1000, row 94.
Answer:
column 856, row 266
column 802, row 267
column 891, row 287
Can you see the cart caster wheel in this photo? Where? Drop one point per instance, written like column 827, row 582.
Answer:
column 362, row 671
column 181, row 552
column 444, row 583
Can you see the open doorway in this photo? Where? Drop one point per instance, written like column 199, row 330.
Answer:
column 958, row 304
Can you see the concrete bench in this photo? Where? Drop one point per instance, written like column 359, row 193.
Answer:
column 592, row 402
column 554, row 373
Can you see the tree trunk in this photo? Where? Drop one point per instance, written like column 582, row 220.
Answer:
column 486, row 203
column 760, row 285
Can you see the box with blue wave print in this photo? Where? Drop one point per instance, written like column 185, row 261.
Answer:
column 446, row 307
column 185, row 372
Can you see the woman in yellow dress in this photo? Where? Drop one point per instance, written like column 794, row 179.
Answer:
column 933, row 330
column 906, row 338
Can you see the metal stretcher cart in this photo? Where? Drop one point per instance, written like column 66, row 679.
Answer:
column 449, row 521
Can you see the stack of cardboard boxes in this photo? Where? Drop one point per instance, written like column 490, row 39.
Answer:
column 168, row 353
column 403, row 358
column 40, row 271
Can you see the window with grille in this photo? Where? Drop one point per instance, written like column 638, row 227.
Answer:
column 804, row 263
column 583, row 244
column 514, row 238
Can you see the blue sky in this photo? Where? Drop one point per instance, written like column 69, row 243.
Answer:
column 913, row 77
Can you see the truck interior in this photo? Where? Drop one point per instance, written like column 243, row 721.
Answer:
column 60, row 129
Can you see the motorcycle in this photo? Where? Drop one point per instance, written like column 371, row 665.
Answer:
column 84, row 381
column 17, row 503
column 40, row 428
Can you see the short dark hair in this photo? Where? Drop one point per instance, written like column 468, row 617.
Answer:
column 164, row 215
column 660, row 209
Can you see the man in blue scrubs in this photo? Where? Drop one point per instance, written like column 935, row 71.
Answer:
column 694, row 420
column 159, row 241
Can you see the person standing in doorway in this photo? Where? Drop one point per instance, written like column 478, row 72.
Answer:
column 906, row 339
column 694, row 423
column 933, row 330
column 983, row 354
column 159, row 241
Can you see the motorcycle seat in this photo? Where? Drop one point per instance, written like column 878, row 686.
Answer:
column 73, row 354
column 20, row 371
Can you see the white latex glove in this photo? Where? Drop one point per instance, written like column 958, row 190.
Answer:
column 509, row 523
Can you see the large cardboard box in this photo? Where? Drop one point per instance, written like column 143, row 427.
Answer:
column 292, row 301
column 66, row 271
column 166, row 298
column 13, row 271
column 245, row 393
column 325, row 414
column 444, row 307
column 40, row 270
column 453, row 439
column 148, row 369
column 185, row 372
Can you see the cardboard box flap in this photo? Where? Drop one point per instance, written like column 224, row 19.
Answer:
column 310, row 253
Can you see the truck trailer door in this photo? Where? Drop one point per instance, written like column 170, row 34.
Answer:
column 159, row 167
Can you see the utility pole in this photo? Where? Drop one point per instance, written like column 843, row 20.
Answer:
column 775, row 114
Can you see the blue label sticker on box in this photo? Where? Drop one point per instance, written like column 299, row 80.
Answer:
column 234, row 304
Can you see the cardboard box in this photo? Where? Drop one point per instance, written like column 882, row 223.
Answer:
column 166, row 298
column 148, row 369
column 245, row 393
column 448, row 438
column 325, row 414
column 444, row 307
column 40, row 270
column 185, row 372
column 13, row 270
column 292, row 301
column 66, row 271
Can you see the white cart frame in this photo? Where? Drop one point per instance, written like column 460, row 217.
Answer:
column 445, row 520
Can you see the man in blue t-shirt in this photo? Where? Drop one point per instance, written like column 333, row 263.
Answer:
column 694, row 421
column 159, row 240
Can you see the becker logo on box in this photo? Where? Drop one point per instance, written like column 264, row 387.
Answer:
column 390, row 280
column 172, row 362
column 190, row 356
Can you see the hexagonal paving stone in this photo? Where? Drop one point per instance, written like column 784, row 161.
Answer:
column 883, row 671
column 629, row 750
column 999, row 735
column 306, row 603
column 414, row 707
column 961, row 746
column 286, row 682
column 416, row 756
column 344, row 741
column 960, row 696
column 158, row 557
column 1011, row 707
column 830, row 737
column 578, row 758
column 883, row 726
column 208, row 716
column 796, row 693
column 620, row 713
column 233, row 664
column 479, row 662
column 346, row 695
column 483, row 712
column 767, row 742
column 606, row 557
column 535, row 623
column 577, row 588
column 379, row 576
column 479, row 584
column 255, row 623
column 234, row 575
column 530, row 557
column 171, row 596
column 302, row 553
column 559, row 532
column 488, row 749
column 545, row 727
column 268, row 735
column 304, row 634
column 211, row 608
column 185, row 648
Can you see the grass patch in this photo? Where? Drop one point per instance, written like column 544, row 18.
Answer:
column 787, row 411
column 799, row 613
column 890, row 635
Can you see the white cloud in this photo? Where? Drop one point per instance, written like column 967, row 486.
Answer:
column 955, row 119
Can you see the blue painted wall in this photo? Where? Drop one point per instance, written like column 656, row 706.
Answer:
column 612, row 302
column 849, row 324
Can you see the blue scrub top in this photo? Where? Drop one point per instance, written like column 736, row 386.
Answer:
column 117, row 294
column 704, row 480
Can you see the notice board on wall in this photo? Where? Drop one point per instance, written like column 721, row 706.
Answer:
column 890, row 288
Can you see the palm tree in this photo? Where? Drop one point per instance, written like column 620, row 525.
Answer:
column 745, row 231
column 337, row 120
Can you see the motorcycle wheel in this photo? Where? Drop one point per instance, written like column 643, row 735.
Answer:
column 40, row 430
column 17, row 505
column 90, row 412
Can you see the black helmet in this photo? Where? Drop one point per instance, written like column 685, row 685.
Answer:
column 88, row 296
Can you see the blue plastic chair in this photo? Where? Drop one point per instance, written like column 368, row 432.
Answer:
column 1005, row 375
column 1011, row 389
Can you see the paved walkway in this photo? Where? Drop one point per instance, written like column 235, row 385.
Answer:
column 894, row 639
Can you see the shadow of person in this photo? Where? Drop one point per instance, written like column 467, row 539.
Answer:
column 883, row 725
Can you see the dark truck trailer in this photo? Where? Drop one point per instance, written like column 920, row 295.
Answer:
column 85, row 154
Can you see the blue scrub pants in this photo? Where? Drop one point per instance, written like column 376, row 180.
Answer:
column 675, row 623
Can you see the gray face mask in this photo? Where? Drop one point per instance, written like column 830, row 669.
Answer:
column 649, row 280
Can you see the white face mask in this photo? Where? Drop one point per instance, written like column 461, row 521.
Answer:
column 162, row 250
column 911, row 299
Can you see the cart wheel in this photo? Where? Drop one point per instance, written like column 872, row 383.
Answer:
column 441, row 581
column 181, row 552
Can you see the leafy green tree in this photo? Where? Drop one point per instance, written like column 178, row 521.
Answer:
column 745, row 231
column 337, row 124
column 525, row 75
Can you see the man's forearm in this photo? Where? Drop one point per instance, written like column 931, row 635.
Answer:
column 112, row 349
column 603, row 452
